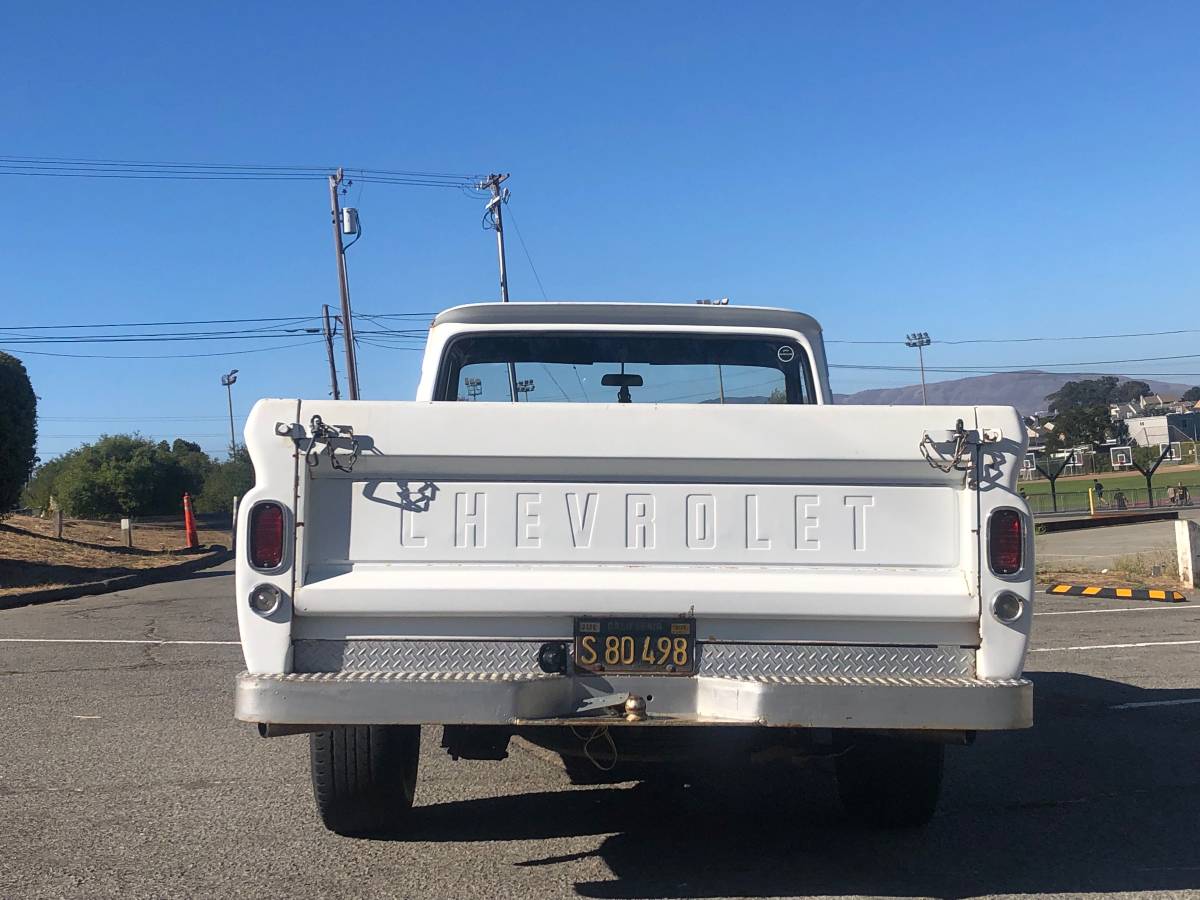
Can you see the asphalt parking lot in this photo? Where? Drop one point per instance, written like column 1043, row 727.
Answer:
column 1100, row 548
column 123, row 774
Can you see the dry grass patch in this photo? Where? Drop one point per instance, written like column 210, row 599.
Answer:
column 31, row 558
column 1152, row 569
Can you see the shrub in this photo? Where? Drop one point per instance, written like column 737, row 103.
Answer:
column 18, row 430
column 41, row 486
column 226, row 480
column 124, row 475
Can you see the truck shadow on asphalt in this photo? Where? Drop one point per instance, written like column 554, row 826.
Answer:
column 1092, row 799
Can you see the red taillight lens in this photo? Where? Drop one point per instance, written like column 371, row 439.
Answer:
column 266, row 536
column 1005, row 542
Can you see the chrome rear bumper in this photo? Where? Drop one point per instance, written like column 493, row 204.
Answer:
column 816, row 701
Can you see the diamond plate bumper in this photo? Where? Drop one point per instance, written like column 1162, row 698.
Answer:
column 922, row 702
column 715, row 658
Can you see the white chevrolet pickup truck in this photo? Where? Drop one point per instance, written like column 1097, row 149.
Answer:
column 640, row 536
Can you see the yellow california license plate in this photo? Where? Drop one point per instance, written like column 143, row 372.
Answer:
column 623, row 645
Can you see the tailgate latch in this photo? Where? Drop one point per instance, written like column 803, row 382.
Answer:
column 339, row 440
column 957, row 456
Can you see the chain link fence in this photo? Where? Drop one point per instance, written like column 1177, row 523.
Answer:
column 1114, row 500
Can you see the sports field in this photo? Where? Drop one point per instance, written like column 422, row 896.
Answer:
column 1166, row 476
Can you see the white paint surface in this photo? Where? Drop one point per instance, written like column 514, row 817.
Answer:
column 1149, row 703
column 1114, row 646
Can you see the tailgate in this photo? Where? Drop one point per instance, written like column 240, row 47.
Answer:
column 507, row 518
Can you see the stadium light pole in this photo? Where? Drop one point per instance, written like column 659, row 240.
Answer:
column 920, row 340
column 228, row 380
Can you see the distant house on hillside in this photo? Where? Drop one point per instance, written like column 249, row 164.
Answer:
column 1150, row 431
column 1152, row 405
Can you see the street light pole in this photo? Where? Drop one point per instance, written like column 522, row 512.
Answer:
column 920, row 340
column 228, row 380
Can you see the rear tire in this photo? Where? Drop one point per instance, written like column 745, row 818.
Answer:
column 890, row 783
column 364, row 777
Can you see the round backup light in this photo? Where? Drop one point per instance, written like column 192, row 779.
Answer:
column 1007, row 606
column 552, row 658
column 265, row 599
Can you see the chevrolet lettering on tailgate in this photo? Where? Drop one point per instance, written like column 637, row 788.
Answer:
column 655, row 523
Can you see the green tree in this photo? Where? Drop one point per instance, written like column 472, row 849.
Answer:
column 18, row 430
column 1120, row 431
column 1191, row 395
column 1128, row 391
column 1089, row 392
column 198, row 463
column 41, row 486
column 124, row 475
column 225, row 481
column 1082, row 425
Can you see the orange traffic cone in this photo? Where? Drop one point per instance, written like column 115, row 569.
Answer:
column 189, row 523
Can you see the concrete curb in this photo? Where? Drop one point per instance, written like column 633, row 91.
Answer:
column 1102, row 520
column 121, row 583
column 1111, row 593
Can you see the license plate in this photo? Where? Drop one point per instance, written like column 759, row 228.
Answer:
column 635, row 645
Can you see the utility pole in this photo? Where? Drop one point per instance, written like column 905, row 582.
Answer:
column 494, row 219
column 228, row 380
column 724, row 301
column 337, row 395
column 920, row 340
column 343, row 285
column 474, row 387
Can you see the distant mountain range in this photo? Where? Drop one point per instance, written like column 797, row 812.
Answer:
column 1027, row 391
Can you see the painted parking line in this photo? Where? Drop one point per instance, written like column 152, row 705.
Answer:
column 1115, row 609
column 1147, row 703
column 1114, row 646
column 114, row 641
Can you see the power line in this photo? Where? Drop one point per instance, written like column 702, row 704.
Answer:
column 143, row 434
column 1024, row 366
column 61, row 160
column 371, row 343
column 145, row 338
column 135, row 418
column 63, row 167
column 1029, row 340
column 290, row 319
column 24, row 352
column 174, row 337
column 528, row 258
column 951, row 370
column 556, row 384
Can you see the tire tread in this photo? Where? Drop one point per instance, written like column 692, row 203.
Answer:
column 364, row 776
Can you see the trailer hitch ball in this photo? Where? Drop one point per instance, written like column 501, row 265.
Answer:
column 635, row 708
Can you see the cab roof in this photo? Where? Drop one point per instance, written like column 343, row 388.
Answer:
column 684, row 314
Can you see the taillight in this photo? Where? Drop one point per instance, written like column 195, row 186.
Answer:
column 266, row 536
column 1005, row 542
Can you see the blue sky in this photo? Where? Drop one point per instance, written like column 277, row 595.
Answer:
column 1001, row 170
